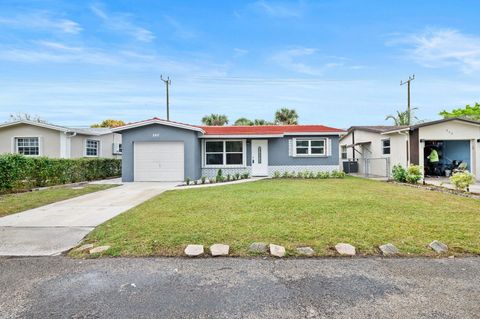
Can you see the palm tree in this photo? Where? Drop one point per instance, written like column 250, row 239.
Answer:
column 261, row 122
column 215, row 120
column 402, row 118
column 243, row 121
column 286, row 116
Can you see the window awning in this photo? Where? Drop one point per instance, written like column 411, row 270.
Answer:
column 359, row 144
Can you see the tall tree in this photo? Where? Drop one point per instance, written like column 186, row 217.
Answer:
column 286, row 116
column 215, row 120
column 261, row 122
column 27, row 117
column 109, row 123
column 402, row 117
column 468, row 112
column 243, row 121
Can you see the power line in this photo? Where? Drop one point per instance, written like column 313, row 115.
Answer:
column 167, row 82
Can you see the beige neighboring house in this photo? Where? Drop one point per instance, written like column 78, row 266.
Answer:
column 41, row 139
column 377, row 149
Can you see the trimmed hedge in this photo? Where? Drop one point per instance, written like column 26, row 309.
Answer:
column 18, row 172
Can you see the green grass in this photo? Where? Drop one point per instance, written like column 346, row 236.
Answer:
column 14, row 203
column 316, row 213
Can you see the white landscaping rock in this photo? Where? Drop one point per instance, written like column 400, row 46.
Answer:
column 438, row 247
column 84, row 247
column 305, row 251
column 99, row 249
column 219, row 250
column 345, row 249
column 258, row 248
column 276, row 250
column 389, row 250
column 194, row 250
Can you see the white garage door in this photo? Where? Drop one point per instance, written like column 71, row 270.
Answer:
column 158, row 161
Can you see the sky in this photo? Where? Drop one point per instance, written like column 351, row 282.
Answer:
column 337, row 62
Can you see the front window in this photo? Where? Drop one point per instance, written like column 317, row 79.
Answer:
column 92, row 148
column 223, row 153
column 310, row 147
column 344, row 151
column 385, row 147
column 27, row 146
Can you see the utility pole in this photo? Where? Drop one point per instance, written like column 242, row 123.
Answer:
column 167, row 82
column 410, row 79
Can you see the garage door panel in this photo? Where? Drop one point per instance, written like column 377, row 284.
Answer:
column 159, row 161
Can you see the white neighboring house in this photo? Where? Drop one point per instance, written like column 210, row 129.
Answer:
column 455, row 139
column 368, row 148
column 41, row 139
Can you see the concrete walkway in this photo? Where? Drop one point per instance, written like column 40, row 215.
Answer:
column 55, row 228
column 445, row 182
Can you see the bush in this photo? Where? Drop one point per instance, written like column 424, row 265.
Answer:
column 323, row 175
column 18, row 172
column 187, row 181
column 337, row 174
column 203, row 178
column 399, row 173
column 414, row 174
column 462, row 180
column 245, row 175
column 219, row 178
column 276, row 174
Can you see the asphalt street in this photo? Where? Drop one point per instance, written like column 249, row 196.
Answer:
column 60, row 287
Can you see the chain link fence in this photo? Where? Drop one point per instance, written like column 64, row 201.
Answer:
column 374, row 167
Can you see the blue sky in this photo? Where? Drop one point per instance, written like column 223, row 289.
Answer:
column 337, row 63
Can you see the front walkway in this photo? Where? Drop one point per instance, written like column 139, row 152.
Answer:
column 445, row 182
column 55, row 228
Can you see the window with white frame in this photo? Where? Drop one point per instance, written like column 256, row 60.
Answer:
column 344, row 151
column 310, row 147
column 386, row 147
column 117, row 148
column 92, row 147
column 224, row 153
column 27, row 146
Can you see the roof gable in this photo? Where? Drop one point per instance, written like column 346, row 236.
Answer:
column 159, row 121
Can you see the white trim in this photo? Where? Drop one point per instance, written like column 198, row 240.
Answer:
column 314, row 133
column 239, row 136
column 383, row 147
column 158, row 121
column 309, row 147
column 244, row 154
column 44, row 125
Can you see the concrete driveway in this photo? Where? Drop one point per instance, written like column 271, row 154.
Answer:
column 55, row 228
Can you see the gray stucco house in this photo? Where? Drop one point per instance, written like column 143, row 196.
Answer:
column 160, row 150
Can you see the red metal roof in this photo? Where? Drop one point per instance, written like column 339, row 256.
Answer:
column 268, row 129
column 248, row 130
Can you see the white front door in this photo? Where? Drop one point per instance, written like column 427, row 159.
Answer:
column 259, row 157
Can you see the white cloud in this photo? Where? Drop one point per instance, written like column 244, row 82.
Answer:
column 279, row 9
column 436, row 48
column 179, row 29
column 41, row 20
column 122, row 23
column 238, row 52
column 306, row 61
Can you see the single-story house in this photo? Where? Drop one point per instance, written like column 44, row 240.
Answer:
column 32, row 138
column 160, row 150
column 364, row 150
column 456, row 140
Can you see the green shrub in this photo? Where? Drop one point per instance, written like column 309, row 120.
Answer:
column 323, row 175
column 462, row 180
column 338, row 174
column 237, row 176
column 187, row 181
column 414, row 174
column 300, row 174
column 276, row 174
column 18, row 172
column 219, row 178
column 399, row 173
column 203, row 178
column 228, row 177
column 245, row 175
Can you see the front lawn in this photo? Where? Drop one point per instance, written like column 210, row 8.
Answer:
column 316, row 213
column 14, row 203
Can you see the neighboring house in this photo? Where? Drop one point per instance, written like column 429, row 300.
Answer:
column 159, row 150
column 368, row 148
column 40, row 139
column 455, row 139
